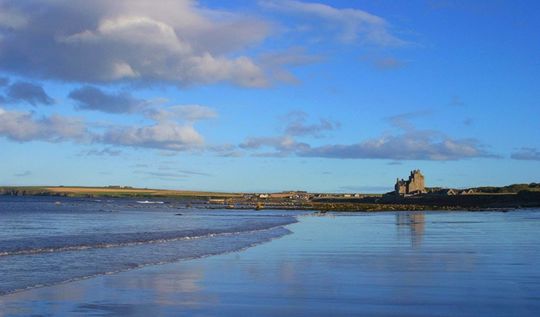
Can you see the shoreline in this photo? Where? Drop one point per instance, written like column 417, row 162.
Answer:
column 399, row 275
column 144, row 266
column 484, row 202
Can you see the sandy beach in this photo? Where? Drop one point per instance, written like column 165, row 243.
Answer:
column 385, row 264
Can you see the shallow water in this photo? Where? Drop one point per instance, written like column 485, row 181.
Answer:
column 46, row 240
column 402, row 264
column 365, row 264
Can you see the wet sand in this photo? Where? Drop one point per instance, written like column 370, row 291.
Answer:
column 384, row 264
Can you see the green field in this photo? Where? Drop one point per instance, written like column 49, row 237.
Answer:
column 112, row 191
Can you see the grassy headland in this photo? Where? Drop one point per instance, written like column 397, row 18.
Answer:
column 110, row 192
column 481, row 198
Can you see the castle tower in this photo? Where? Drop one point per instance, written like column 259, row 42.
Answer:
column 414, row 185
column 400, row 187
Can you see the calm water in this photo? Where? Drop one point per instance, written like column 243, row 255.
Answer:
column 365, row 264
column 46, row 240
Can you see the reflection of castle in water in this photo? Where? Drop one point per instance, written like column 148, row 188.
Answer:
column 415, row 223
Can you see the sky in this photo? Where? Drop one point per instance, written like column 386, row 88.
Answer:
column 269, row 95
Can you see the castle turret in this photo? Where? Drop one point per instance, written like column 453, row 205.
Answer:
column 414, row 185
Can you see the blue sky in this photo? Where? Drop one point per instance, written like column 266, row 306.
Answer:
column 270, row 95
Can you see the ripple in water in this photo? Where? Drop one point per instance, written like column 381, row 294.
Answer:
column 75, row 240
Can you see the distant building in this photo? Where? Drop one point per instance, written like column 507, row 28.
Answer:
column 413, row 186
column 448, row 192
column 293, row 195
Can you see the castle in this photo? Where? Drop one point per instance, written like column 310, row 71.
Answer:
column 415, row 185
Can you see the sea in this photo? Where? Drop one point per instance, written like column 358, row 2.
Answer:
column 125, row 257
column 51, row 240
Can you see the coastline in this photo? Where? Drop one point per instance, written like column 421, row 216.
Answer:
column 68, row 239
column 285, row 232
column 243, row 201
column 382, row 264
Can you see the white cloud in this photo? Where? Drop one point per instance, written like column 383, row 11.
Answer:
column 11, row 18
column 100, row 41
column 274, row 63
column 297, row 125
column 408, row 143
column 407, row 146
column 23, row 127
column 92, row 98
column 172, row 129
column 353, row 25
column 280, row 146
column 527, row 154
column 166, row 134
column 162, row 135
column 103, row 152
